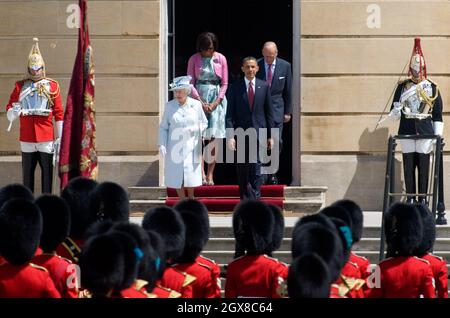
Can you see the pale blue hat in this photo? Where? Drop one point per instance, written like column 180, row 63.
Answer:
column 181, row 82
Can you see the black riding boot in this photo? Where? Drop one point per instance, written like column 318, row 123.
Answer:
column 424, row 169
column 410, row 175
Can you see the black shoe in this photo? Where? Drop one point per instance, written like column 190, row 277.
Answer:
column 272, row 179
column 411, row 200
column 441, row 220
column 423, row 201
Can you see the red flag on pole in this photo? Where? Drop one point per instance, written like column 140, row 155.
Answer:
column 78, row 155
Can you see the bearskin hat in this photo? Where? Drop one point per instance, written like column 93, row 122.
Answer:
column 99, row 227
column 170, row 226
column 20, row 230
column 315, row 218
column 196, row 220
column 102, row 264
column 356, row 214
column 15, row 191
column 146, row 272
column 338, row 213
column 132, row 257
column 404, row 229
column 429, row 230
column 345, row 234
column 253, row 224
column 309, row 277
column 109, row 201
column 56, row 221
column 158, row 260
column 278, row 229
column 196, row 236
column 109, row 262
column 77, row 194
column 313, row 237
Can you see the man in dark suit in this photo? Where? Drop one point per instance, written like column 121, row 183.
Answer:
column 278, row 75
column 249, row 108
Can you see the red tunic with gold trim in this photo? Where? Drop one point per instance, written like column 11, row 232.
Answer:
column 62, row 272
column 215, row 273
column 132, row 292
column 26, row 281
column 334, row 292
column 255, row 276
column 440, row 273
column 404, row 277
column 163, row 292
column 38, row 128
column 204, row 285
column 363, row 264
column 350, row 282
column 70, row 249
column 178, row 281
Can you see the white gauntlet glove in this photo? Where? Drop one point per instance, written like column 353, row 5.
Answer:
column 438, row 128
column 162, row 150
column 13, row 113
column 397, row 109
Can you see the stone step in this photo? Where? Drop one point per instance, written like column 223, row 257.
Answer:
column 368, row 232
column 225, row 257
column 147, row 193
column 365, row 245
column 373, row 244
column 373, row 255
column 300, row 207
column 138, row 207
column 303, row 193
column 227, row 244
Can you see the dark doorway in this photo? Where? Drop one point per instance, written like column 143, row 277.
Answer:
column 242, row 27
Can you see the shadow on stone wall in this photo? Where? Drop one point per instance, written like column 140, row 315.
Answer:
column 150, row 177
column 367, row 185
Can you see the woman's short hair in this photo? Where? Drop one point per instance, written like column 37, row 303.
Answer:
column 204, row 41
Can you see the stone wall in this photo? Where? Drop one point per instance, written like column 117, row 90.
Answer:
column 348, row 73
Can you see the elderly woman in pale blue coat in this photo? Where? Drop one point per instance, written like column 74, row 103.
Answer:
column 180, row 139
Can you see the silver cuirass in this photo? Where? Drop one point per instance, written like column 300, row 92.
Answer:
column 34, row 98
column 414, row 104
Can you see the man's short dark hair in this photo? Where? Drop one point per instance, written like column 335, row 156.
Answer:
column 249, row 58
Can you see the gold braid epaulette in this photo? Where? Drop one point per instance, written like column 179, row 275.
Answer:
column 51, row 96
column 428, row 100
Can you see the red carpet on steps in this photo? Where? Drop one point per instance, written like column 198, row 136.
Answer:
column 225, row 197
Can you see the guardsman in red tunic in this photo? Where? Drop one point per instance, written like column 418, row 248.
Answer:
column 36, row 100
column 207, row 274
column 216, row 273
column 20, row 230
column 168, row 224
column 350, row 278
column 309, row 277
column 56, row 226
column 77, row 194
column 403, row 275
column 149, row 267
column 317, row 234
column 357, row 219
column 109, row 201
column 438, row 264
column 15, row 191
column 277, row 237
column 254, row 274
column 109, row 265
